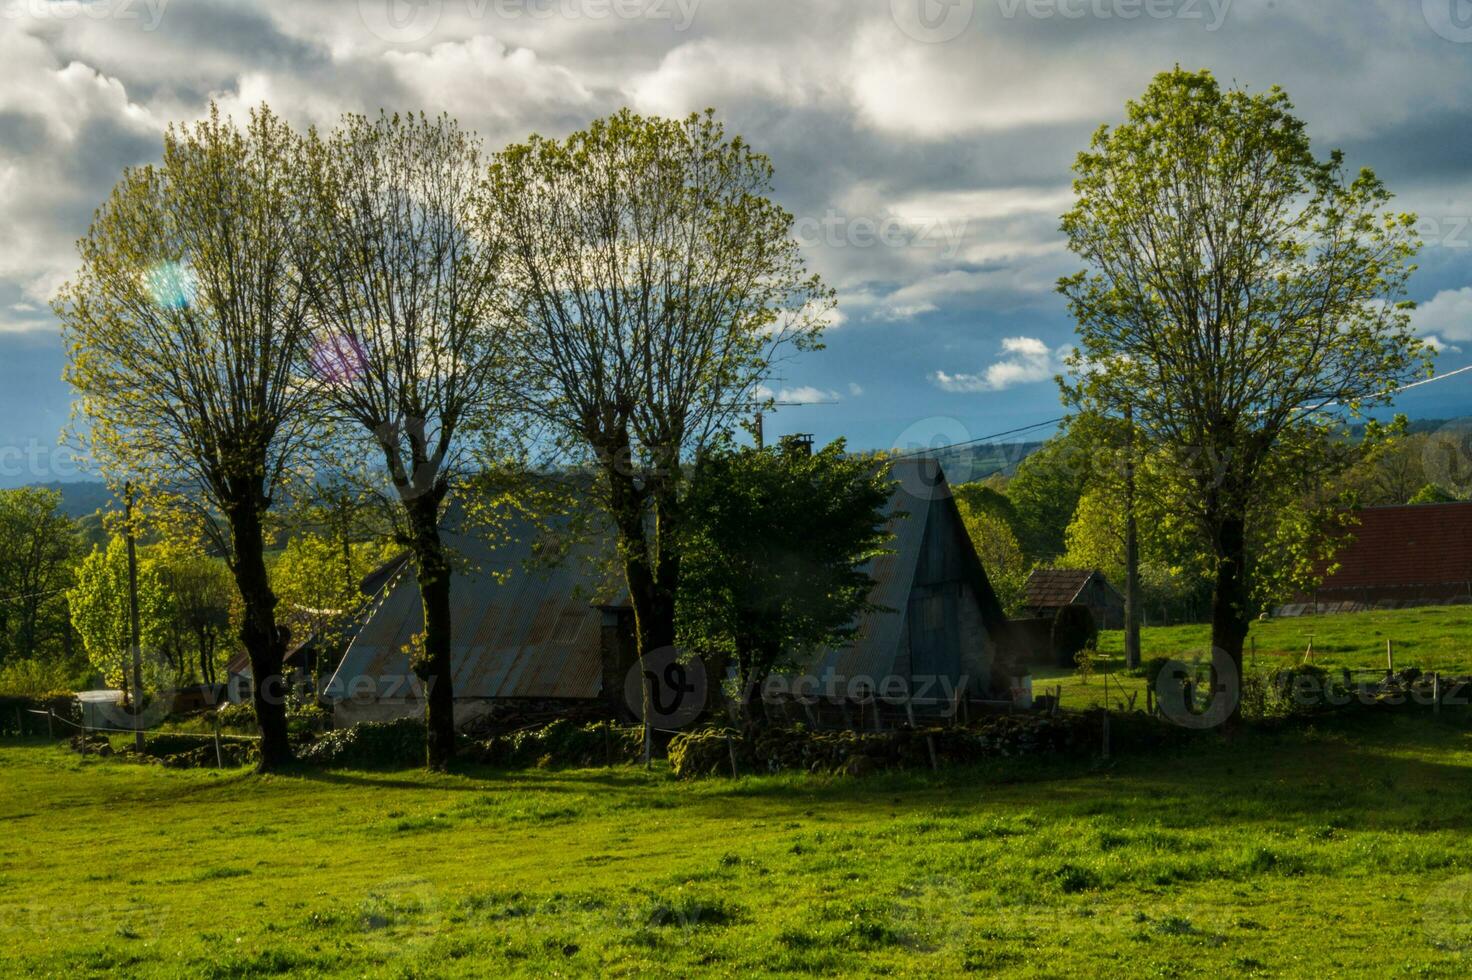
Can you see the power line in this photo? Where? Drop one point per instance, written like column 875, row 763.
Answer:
column 952, row 447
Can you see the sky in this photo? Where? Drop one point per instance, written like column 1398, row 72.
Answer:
column 923, row 147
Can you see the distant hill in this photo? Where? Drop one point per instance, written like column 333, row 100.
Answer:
column 81, row 497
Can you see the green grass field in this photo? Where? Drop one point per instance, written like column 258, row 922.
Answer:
column 1433, row 638
column 1302, row 853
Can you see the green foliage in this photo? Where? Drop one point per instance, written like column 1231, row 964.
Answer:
column 317, row 579
column 397, row 744
column 197, row 629
column 38, row 549
column 773, row 549
column 1045, row 492
column 99, row 604
column 991, row 535
column 36, row 677
column 1433, row 493
column 1238, row 293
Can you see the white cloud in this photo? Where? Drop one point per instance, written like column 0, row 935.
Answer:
column 1027, row 360
column 1445, row 318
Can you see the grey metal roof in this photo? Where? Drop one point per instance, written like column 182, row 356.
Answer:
column 520, row 632
column 520, row 628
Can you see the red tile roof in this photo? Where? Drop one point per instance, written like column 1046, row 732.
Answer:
column 1050, row 587
column 1411, row 546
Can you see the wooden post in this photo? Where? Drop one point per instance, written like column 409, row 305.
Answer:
column 1389, row 657
column 731, row 750
column 50, row 723
column 219, row 756
column 133, row 627
column 1106, row 733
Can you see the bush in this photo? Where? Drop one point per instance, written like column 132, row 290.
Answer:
column 1074, row 630
column 562, row 743
column 706, row 752
column 35, row 678
column 397, row 744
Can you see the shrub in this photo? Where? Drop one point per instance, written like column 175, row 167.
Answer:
column 370, row 744
column 562, row 743
column 1074, row 629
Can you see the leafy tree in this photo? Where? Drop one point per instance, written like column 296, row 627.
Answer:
column 659, row 284
column 318, row 594
column 1006, row 566
column 1433, row 493
column 1237, row 289
column 101, row 616
column 772, row 555
column 38, row 548
column 1045, row 490
column 181, row 329
column 410, row 343
column 200, row 602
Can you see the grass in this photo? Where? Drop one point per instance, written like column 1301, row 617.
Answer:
column 1305, row 852
column 1431, row 638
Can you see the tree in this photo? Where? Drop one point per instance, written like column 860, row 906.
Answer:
column 101, row 616
column 410, row 341
column 1237, row 291
column 198, row 611
column 659, row 284
column 772, row 555
column 318, row 595
column 38, row 547
column 181, row 329
column 1046, row 489
column 997, row 547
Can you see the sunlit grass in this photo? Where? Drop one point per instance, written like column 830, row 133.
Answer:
column 1325, row 851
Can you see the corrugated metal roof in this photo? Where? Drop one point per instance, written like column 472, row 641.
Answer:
column 535, row 632
column 519, row 628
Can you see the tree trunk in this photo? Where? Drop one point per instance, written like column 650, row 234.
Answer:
column 1131, row 552
column 435, row 668
column 1229, row 621
column 258, row 632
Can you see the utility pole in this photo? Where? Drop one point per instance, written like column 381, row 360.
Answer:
column 1131, row 549
column 134, row 632
column 759, row 442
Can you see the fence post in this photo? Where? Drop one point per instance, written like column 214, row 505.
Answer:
column 50, row 722
column 219, row 759
column 731, row 750
column 1389, row 657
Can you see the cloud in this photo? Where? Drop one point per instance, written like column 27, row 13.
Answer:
column 1028, row 360
column 1445, row 318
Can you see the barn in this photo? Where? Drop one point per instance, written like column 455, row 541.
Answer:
column 1050, row 589
column 1399, row 556
column 529, row 633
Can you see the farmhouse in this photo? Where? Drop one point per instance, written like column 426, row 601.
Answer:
column 1050, row 589
column 530, row 633
column 1400, row 556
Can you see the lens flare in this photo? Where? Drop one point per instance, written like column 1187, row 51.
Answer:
column 172, row 285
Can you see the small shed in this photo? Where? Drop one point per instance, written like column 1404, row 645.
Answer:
column 1050, row 589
